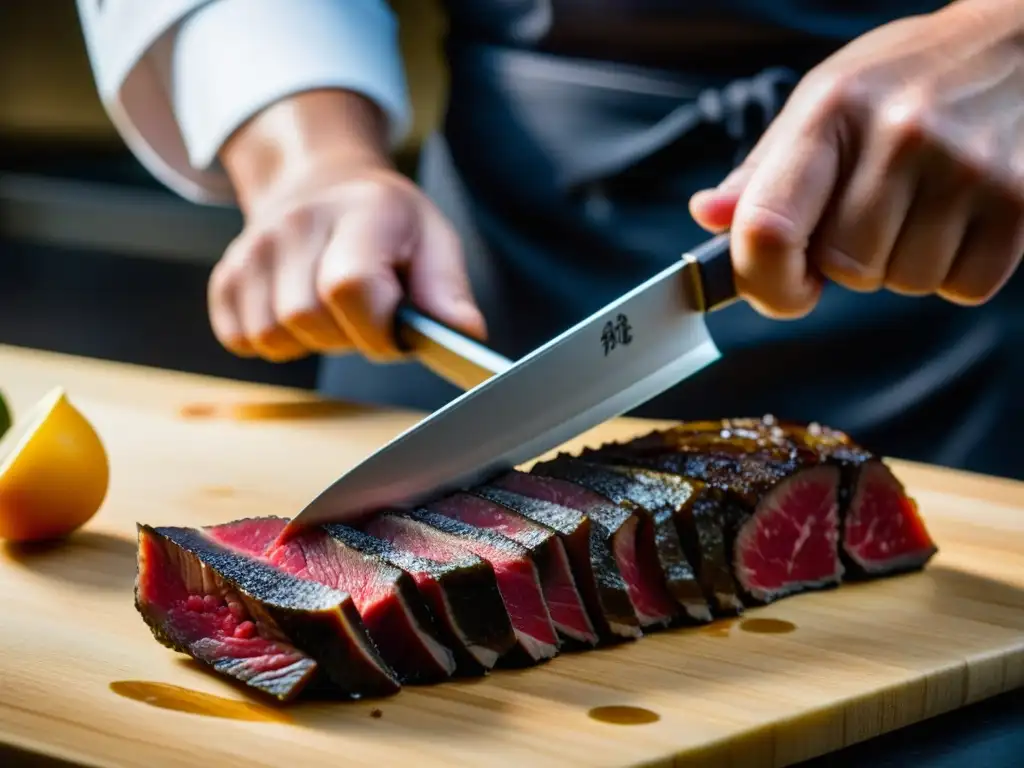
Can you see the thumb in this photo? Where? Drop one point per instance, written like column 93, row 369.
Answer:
column 715, row 208
column 437, row 279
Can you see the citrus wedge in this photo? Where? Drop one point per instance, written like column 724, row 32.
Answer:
column 53, row 472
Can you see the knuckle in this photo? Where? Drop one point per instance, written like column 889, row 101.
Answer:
column 851, row 269
column 251, row 251
column 832, row 91
column 380, row 194
column 222, row 282
column 908, row 283
column 276, row 344
column 341, row 289
column 306, row 319
column 394, row 206
column 297, row 220
column 764, row 230
column 908, row 118
column 261, row 251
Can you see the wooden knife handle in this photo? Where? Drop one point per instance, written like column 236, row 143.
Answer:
column 463, row 361
column 711, row 273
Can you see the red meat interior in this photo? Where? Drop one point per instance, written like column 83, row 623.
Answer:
column 315, row 556
column 634, row 551
column 215, row 626
column 516, row 576
column 883, row 529
column 482, row 513
column 311, row 555
column 793, row 538
column 559, row 586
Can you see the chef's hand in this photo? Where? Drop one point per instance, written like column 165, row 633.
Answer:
column 331, row 233
column 897, row 163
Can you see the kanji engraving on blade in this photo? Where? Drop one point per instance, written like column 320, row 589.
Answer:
column 616, row 333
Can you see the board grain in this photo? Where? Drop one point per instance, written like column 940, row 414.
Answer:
column 81, row 678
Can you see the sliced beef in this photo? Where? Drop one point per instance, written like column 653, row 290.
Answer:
column 782, row 516
column 881, row 531
column 588, row 544
column 386, row 597
column 251, row 622
column 462, row 593
column 433, row 535
column 703, row 517
column 565, row 605
column 632, row 540
column 663, row 503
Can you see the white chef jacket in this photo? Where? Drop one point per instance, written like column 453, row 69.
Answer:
column 178, row 77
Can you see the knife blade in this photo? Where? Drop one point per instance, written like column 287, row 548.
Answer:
column 619, row 357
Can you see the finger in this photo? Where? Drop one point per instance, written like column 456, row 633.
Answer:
column 932, row 232
column 863, row 220
column 255, row 298
column 776, row 214
column 989, row 254
column 357, row 281
column 438, row 282
column 296, row 303
column 715, row 208
column 222, row 307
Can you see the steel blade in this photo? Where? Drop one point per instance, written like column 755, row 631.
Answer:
column 618, row 358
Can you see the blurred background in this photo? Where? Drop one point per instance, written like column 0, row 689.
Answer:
column 97, row 258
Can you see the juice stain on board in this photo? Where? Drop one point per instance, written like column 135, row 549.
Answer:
column 758, row 626
column 269, row 411
column 767, row 626
column 622, row 715
column 178, row 699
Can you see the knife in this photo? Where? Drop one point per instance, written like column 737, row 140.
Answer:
column 636, row 347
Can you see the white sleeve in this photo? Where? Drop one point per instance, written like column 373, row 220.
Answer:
column 178, row 77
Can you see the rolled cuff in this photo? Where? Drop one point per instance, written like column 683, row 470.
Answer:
column 199, row 81
column 234, row 58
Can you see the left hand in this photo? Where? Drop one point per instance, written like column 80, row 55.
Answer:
column 897, row 163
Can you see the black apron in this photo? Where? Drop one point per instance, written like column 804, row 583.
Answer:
column 568, row 178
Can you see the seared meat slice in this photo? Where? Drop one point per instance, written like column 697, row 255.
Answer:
column 589, row 545
column 632, row 542
column 565, row 605
column 665, row 504
column 386, row 597
column 252, row 622
column 432, row 535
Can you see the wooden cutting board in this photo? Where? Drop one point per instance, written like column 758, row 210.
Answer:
column 82, row 679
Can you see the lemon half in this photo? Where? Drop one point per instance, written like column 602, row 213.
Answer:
column 54, row 471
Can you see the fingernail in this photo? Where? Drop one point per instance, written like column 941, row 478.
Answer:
column 702, row 196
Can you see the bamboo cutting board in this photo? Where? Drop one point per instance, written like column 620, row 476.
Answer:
column 83, row 680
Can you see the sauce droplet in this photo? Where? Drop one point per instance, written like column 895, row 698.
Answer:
column 718, row 628
column 192, row 702
column 767, row 626
column 376, row 713
column 620, row 715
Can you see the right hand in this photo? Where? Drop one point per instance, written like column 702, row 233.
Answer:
column 326, row 250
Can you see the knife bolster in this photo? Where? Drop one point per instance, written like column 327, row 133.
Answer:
column 709, row 268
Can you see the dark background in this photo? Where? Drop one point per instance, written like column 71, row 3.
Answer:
column 97, row 259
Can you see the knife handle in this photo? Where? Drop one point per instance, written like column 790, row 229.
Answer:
column 711, row 276
column 463, row 361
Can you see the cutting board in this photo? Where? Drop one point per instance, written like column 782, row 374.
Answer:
column 83, row 680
